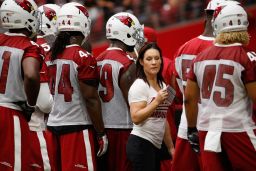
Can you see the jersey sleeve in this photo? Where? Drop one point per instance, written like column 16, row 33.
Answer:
column 87, row 68
column 138, row 91
column 34, row 51
column 249, row 74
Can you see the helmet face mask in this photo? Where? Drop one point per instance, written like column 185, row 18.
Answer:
column 125, row 27
column 229, row 18
column 18, row 14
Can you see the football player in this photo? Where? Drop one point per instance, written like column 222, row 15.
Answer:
column 73, row 82
column 20, row 63
column 116, row 74
column 185, row 157
column 43, row 153
column 223, row 77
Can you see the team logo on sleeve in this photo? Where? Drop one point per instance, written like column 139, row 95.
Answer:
column 50, row 13
column 26, row 5
column 126, row 20
column 84, row 10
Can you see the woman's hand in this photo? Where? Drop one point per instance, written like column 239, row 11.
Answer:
column 161, row 96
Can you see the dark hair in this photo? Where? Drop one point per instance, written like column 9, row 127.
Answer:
column 139, row 68
column 61, row 41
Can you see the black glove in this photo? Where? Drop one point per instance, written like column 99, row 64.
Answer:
column 27, row 110
column 193, row 138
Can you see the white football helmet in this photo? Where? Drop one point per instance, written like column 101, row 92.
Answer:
column 125, row 27
column 17, row 14
column 49, row 18
column 229, row 18
column 74, row 17
column 228, row 2
column 213, row 4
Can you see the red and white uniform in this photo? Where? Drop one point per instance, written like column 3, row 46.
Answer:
column 221, row 73
column 74, row 64
column 43, row 43
column 41, row 151
column 37, row 122
column 183, row 61
column 113, row 63
column 14, row 131
column 115, row 112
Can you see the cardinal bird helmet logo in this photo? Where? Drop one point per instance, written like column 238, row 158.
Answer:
column 50, row 13
column 26, row 5
column 84, row 10
column 126, row 20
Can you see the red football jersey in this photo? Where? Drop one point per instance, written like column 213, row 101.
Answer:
column 221, row 72
column 183, row 60
column 112, row 63
column 71, row 66
column 13, row 49
column 46, row 48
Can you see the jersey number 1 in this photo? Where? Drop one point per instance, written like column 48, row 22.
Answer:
column 4, row 72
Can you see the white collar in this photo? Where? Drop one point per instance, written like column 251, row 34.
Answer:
column 72, row 45
column 206, row 38
column 14, row 34
column 229, row 45
column 114, row 48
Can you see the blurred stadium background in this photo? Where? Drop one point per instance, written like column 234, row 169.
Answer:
column 176, row 21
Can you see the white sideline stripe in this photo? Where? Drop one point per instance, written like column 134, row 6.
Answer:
column 17, row 143
column 44, row 152
column 88, row 150
column 252, row 137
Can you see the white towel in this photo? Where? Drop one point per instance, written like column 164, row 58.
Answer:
column 212, row 141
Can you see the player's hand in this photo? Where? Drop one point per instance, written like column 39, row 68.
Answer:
column 26, row 108
column 103, row 144
column 193, row 139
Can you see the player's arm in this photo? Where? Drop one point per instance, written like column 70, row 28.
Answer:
column 31, row 69
column 127, row 79
column 251, row 87
column 191, row 100
column 191, row 108
column 93, row 105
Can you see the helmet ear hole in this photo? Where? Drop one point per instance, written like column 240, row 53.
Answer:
column 129, row 36
column 48, row 25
